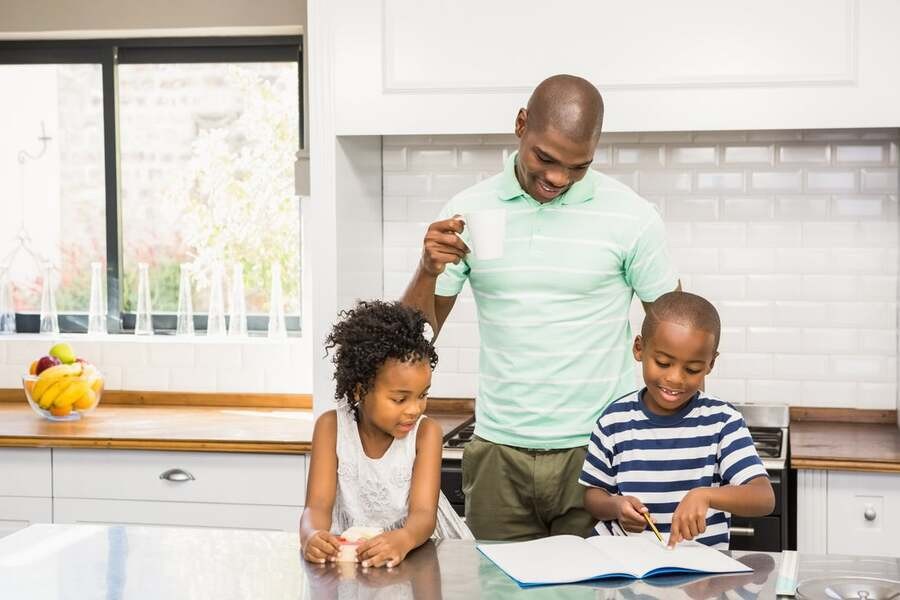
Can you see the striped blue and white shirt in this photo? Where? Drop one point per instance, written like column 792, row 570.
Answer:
column 659, row 459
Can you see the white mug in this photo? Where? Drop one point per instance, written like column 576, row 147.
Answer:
column 487, row 232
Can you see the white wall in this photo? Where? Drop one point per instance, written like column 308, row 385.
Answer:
column 792, row 234
column 19, row 17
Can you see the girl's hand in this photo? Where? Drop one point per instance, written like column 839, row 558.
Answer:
column 630, row 514
column 386, row 549
column 689, row 518
column 321, row 546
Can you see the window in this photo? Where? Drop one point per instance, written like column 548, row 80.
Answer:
column 164, row 151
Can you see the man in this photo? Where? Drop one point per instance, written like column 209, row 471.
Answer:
column 553, row 312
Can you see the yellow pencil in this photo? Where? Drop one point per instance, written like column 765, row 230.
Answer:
column 652, row 526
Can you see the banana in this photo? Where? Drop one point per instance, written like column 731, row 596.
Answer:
column 50, row 376
column 75, row 390
column 47, row 398
column 87, row 401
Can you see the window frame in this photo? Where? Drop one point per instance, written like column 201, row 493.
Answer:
column 109, row 54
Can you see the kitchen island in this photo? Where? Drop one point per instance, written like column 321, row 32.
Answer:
column 87, row 562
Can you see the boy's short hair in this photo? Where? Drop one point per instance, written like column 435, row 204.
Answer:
column 368, row 335
column 685, row 309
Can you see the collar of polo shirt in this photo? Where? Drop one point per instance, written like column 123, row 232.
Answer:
column 509, row 189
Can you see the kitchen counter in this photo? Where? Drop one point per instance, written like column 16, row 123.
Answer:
column 185, row 428
column 132, row 563
column 845, row 446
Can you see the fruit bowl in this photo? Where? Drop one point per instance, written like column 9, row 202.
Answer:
column 64, row 392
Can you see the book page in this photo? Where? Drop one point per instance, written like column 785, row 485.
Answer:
column 555, row 559
column 644, row 556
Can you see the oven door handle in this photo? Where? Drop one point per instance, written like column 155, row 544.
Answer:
column 774, row 477
column 742, row 531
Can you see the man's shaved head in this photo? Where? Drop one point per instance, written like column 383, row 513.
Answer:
column 685, row 309
column 569, row 104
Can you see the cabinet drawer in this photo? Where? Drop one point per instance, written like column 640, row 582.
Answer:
column 230, row 478
column 863, row 513
column 16, row 513
column 177, row 514
column 25, row 472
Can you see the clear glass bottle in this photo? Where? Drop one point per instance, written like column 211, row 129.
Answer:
column 185, row 322
column 143, row 324
column 49, row 316
column 277, row 327
column 215, row 323
column 7, row 308
column 237, row 320
column 97, row 306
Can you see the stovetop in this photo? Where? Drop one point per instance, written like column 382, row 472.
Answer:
column 768, row 426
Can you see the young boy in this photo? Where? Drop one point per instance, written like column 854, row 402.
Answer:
column 669, row 450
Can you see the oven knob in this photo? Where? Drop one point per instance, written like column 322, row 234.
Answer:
column 870, row 513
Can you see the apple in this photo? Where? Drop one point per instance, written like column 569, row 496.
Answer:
column 44, row 363
column 63, row 352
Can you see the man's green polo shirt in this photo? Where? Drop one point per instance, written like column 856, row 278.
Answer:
column 553, row 311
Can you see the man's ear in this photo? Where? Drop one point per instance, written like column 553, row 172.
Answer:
column 521, row 122
column 638, row 348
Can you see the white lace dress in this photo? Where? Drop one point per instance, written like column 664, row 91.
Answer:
column 374, row 492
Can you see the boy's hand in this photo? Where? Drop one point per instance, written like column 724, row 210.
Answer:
column 321, row 546
column 689, row 518
column 630, row 514
column 386, row 549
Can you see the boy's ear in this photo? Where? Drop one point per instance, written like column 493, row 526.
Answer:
column 712, row 363
column 638, row 348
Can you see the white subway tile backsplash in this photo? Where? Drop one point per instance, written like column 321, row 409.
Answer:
column 747, row 260
column 802, row 260
column 192, row 380
column 858, row 153
column 717, row 235
column 683, row 208
column 171, row 354
column 800, row 366
column 879, row 180
column 801, row 208
column 725, row 181
column 644, row 156
column 740, row 155
column 266, row 354
column 658, row 182
column 807, row 153
column 148, row 379
column 792, row 234
column 692, row 155
column 112, row 378
column 238, row 381
column 772, row 339
column 11, row 375
column 223, row 354
column 877, row 396
column 831, row 181
column 125, row 353
column 773, row 235
column 746, row 208
column 776, row 181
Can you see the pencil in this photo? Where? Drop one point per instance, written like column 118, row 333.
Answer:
column 652, row 526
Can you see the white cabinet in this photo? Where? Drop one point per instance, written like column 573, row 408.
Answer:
column 848, row 512
column 25, row 488
column 407, row 67
column 231, row 490
column 863, row 513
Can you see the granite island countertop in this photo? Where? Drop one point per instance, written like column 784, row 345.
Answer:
column 90, row 562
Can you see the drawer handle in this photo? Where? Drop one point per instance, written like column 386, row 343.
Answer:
column 742, row 531
column 870, row 513
column 176, row 475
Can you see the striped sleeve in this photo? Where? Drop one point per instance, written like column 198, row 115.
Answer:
column 648, row 268
column 598, row 470
column 737, row 457
column 452, row 280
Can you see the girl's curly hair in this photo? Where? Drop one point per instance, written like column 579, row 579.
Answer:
column 366, row 336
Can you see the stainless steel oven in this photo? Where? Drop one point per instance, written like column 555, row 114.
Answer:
column 768, row 427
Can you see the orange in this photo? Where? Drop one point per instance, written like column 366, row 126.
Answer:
column 32, row 368
column 29, row 385
column 87, row 401
column 60, row 411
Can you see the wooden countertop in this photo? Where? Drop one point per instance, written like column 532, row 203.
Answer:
column 187, row 428
column 852, row 444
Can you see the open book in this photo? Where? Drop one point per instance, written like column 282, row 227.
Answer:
column 569, row 558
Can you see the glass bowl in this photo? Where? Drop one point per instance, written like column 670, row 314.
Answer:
column 64, row 397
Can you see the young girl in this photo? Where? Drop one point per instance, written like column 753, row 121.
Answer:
column 376, row 460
